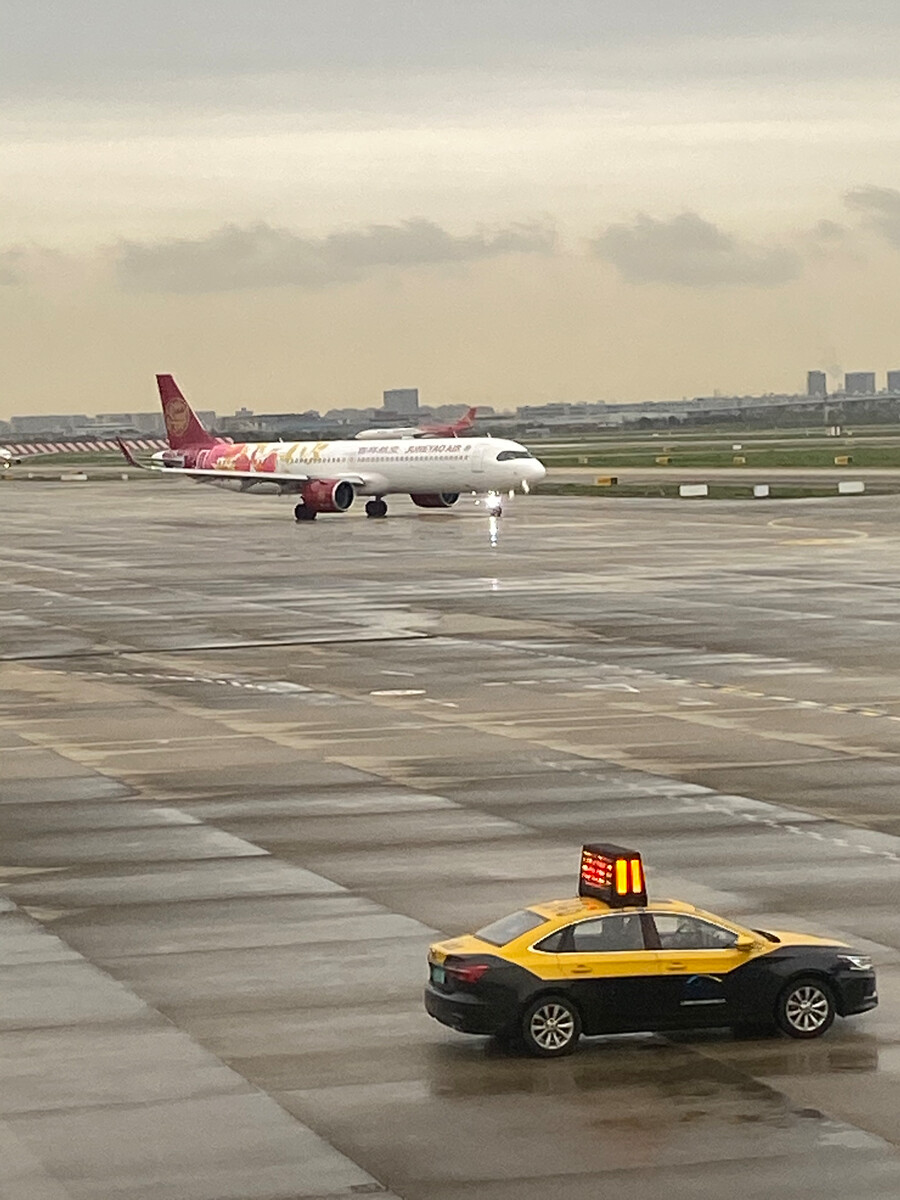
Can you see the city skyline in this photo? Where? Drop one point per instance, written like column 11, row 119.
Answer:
column 507, row 204
column 854, row 386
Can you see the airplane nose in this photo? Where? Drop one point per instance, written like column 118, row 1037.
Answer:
column 536, row 471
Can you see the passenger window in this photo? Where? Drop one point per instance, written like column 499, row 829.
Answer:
column 553, row 943
column 677, row 931
column 606, row 935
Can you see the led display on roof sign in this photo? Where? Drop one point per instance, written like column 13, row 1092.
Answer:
column 612, row 874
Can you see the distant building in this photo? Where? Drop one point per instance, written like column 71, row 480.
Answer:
column 860, row 383
column 893, row 382
column 143, row 422
column 403, row 401
column 816, row 384
column 66, row 423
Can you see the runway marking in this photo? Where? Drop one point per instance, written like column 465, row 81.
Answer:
column 640, row 673
column 781, row 826
column 398, row 692
column 754, row 694
column 278, row 687
column 852, row 535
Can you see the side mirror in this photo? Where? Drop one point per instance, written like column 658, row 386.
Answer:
column 744, row 943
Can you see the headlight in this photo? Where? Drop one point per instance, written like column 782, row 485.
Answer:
column 856, row 962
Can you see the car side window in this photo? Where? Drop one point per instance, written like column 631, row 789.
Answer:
column 605, row 935
column 678, row 931
column 553, row 943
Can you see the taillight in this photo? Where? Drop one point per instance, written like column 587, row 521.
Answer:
column 470, row 973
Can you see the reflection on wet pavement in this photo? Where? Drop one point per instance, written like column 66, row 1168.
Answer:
column 233, row 821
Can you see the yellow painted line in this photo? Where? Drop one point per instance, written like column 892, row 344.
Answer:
column 817, row 541
column 853, row 535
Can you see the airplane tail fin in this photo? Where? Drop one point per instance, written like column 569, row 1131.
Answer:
column 463, row 424
column 182, row 426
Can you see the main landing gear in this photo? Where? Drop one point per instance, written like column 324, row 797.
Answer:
column 374, row 508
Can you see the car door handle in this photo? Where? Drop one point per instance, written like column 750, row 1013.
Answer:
column 581, row 969
column 676, row 966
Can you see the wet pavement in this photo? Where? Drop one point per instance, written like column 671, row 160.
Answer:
column 250, row 769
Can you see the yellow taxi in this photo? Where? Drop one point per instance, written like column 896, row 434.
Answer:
column 610, row 961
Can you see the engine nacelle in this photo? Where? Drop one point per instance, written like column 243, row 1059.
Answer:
column 328, row 495
column 168, row 458
column 434, row 499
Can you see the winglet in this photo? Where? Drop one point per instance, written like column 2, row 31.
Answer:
column 129, row 457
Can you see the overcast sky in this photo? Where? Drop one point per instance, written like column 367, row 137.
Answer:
column 299, row 203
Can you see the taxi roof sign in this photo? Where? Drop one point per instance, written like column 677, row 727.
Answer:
column 613, row 874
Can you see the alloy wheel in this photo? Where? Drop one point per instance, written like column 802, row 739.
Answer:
column 807, row 1008
column 552, row 1026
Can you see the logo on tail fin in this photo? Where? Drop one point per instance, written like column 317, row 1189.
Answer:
column 178, row 416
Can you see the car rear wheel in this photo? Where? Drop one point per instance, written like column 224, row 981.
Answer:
column 550, row 1027
column 805, row 1008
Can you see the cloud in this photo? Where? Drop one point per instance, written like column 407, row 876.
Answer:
column 691, row 252
column 828, row 233
column 10, row 267
column 52, row 46
column 264, row 256
column 880, row 210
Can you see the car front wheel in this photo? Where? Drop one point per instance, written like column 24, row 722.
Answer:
column 805, row 1008
column 550, row 1027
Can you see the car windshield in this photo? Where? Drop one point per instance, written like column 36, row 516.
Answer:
column 507, row 929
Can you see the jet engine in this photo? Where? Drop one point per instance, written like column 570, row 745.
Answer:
column 328, row 495
column 435, row 499
column 168, row 458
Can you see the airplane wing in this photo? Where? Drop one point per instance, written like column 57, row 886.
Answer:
column 213, row 473
column 9, row 459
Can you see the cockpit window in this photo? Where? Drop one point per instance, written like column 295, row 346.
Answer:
column 506, row 455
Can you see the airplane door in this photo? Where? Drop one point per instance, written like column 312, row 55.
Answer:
column 478, row 459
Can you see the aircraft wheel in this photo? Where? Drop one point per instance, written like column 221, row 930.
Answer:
column 302, row 513
column 376, row 508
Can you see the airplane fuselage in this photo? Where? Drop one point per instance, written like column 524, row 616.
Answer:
column 379, row 468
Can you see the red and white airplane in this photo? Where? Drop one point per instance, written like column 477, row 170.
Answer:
column 454, row 429
column 328, row 476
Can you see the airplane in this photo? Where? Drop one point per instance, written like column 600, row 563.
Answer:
column 9, row 459
column 328, row 476
column 454, row 429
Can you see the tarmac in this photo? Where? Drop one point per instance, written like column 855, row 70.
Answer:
column 249, row 769
column 812, row 477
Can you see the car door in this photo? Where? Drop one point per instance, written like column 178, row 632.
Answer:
column 696, row 956
column 609, row 972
